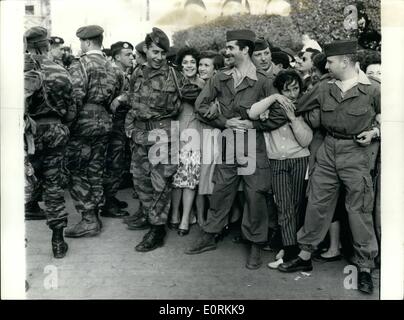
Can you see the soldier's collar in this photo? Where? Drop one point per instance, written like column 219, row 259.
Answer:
column 95, row 51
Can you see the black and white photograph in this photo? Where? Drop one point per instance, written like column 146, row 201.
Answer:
column 202, row 150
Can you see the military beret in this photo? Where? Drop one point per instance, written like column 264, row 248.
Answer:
column 240, row 35
column 261, row 44
column 56, row 40
column 160, row 39
column 139, row 47
column 88, row 32
column 117, row 46
column 340, row 47
column 36, row 37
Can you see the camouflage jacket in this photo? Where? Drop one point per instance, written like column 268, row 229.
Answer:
column 152, row 95
column 95, row 80
column 48, row 89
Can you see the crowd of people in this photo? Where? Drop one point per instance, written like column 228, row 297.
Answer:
column 283, row 145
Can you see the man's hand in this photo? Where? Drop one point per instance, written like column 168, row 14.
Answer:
column 290, row 112
column 283, row 101
column 122, row 99
column 265, row 115
column 238, row 124
column 365, row 137
column 213, row 111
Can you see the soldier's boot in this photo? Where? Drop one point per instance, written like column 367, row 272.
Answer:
column 33, row 211
column 204, row 243
column 88, row 226
column 139, row 224
column 153, row 239
column 133, row 218
column 59, row 246
column 111, row 210
column 119, row 203
column 254, row 260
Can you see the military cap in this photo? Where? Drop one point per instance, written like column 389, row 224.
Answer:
column 289, row 52
column 117, row 46
column 139, row 47
column 340, row 47
column 36, row 37
column 88, row 32
column 261, row 44
column 56, row 40
column 240, row 35
column 160, row 39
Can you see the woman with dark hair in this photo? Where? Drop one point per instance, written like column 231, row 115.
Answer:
column 186, row 178
column 287, row 149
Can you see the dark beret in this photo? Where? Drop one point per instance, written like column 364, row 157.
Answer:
column 240, row 35
column 36, row 37
column 160, row 39
column 89, row 32
column 117, row 46
column 139, row 47
column 261, row 44
column 56, row 40
column 340, row 47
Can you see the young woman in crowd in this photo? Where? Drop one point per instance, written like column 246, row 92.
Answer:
column 186, row 179
column 287, row 149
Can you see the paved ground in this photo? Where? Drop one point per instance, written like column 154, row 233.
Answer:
column 108, row 267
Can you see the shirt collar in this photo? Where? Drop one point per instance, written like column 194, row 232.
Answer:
column 249, row 72
column 95, row 51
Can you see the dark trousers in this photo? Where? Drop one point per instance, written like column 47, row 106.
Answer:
column 288, row 190
column 255, row 217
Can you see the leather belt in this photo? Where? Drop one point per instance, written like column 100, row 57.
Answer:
column 341, row 136
column 156, row 124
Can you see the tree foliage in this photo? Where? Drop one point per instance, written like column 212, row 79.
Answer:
column 322, row 20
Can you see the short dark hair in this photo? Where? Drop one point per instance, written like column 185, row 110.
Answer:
column 285, row 78
column 320, row 61
column 97, row 40
column 282, row 58
column 187, row 51
column 218, row 61
column 245, row 43
column 352, row 57
column 368, row 57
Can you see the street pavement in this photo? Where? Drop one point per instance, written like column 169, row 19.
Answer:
column 108, row 267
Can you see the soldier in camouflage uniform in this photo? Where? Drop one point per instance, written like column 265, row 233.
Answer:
column 96, row 83
column 56, row 52
column 122, row 54
column 49, row 103
column 154, row 104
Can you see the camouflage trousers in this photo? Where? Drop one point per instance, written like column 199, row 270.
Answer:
column 50, row 142
column 86, row 163
column 116, row 161
column 152, row 182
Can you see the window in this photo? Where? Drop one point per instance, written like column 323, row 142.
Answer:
column 29, row 10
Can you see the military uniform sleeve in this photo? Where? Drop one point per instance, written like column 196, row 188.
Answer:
column 71, row 108
column 205, row 98
column 79, row 82
column 277, row 118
